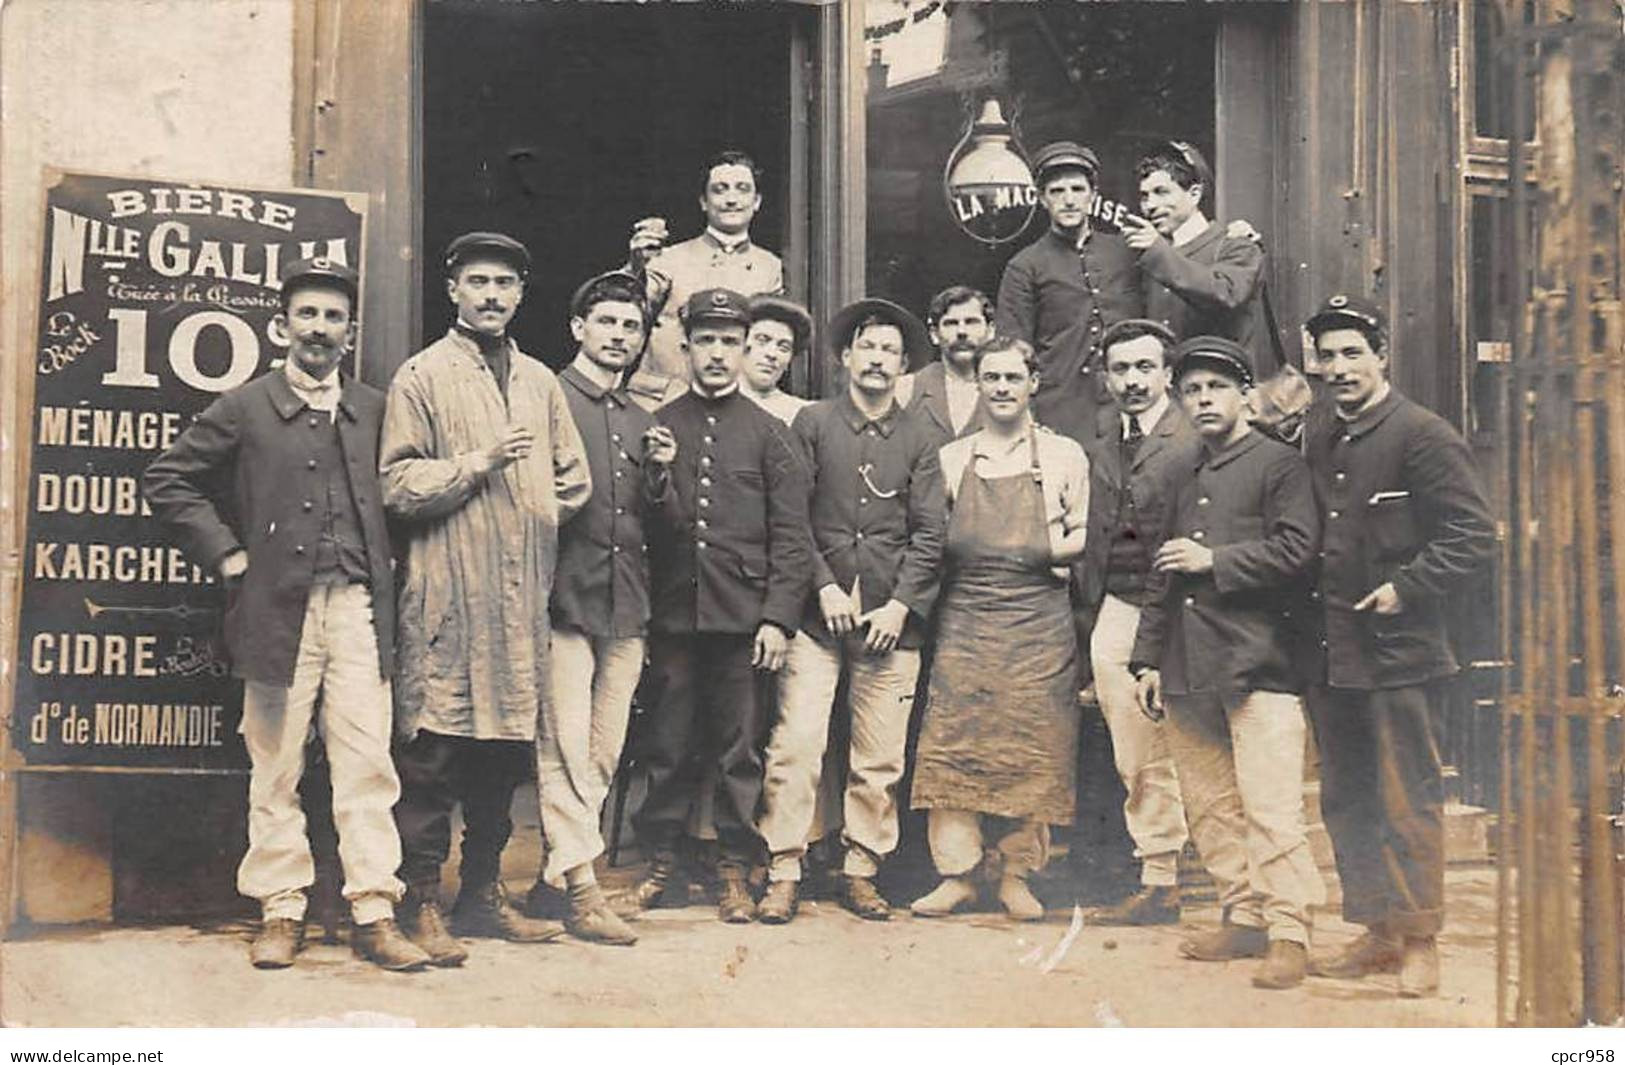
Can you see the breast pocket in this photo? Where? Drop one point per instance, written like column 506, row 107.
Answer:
column 1391, row 523
column 747, row 478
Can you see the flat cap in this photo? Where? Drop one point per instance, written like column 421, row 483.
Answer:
column 621, row 285
column 322, row 271
column 1213, row 353
column 715, row 305
column 1344, row 310
column 1058, row 155
column 1195, row 160
column 498, row 246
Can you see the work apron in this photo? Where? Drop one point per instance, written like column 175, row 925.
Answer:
column 1000, row 734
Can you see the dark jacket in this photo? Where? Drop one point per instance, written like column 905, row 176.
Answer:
column 1212, row 286
column 1233, row 630
column 1166, row 455
column 929, row 404
column 731, row 548
column 1401, row 501
column 878, row 510
column 1061, row 300
column 601, row 584
column 239, row 477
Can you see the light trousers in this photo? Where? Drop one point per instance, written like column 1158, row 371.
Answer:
column 1153, row 811
column 1240, row 761
column 957, row 841
column 337, row 687
column 881, row 694
column 583, row 731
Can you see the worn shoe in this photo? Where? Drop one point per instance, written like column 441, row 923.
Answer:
column 591, row 919
column 859, row 894
column 1018, row 899
column 382, row 943
column 1369, row 953
column 663, row 883
column 1148, row 906
column 948, row 896
column 484, row 912
column 279, row 940
column 778, row 905
column 424, row 924
column 734, row 904
column 1227, row 943
column 1419, row 967
column 1284, row 966
column 545, row 902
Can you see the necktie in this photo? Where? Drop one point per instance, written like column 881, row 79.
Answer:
column 1132, row 438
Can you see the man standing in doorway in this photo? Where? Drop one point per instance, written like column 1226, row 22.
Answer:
column 731, row 560
column 960, row 320
column 721, row 257
column 275, row 487
column 600, row 603
column 877, row 506
column 1142, row 447
column 1199, row 280
column 1061, row 292
column 1406, row 526
column 481, row 463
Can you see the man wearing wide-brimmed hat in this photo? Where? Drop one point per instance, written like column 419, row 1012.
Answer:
column 877, row 514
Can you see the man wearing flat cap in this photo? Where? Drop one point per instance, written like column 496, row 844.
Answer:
column 731, row 560
column 1406, row 527
column 878, row 509
column 275, row 487
column 1214, row 651
column 600, row 604
column 1061, row 292
column 1198, row 278
column 481, row 463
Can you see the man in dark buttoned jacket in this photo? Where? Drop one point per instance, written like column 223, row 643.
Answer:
column 1406, row 526
column 275, row 487
column 944, row 393
column 1142, row 445
column 878, row 511
column 1214, row 646
column 731, row 559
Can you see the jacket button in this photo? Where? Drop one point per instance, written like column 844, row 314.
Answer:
column 708, row 439
column 1315, row 595
column 710, row 419
column 860, row 536
column 620, row 473
column 616, row 437
column 862, row 500
column 705, row 460
column 299, row 549
column 1190, row 600
column 699, row 543
column 1198, row 535
column 702, row 523
column 309, row 504
column 311, row 464
column 705, row 482
column 616, row 548
column 704, row 502
column 1333, row 514
column 620, row 510
column 1202, row 502
column 313, row 422
column 1340, row 475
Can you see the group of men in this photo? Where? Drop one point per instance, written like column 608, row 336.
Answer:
column 662, row 512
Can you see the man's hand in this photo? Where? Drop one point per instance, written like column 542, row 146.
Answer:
column 1183, row 556
column 659, row 445
column 1383, row 600
column 885, row 626
column 771, row 647
column 648, row 236
column 234, row 565
column 1148, row 693
column 515, row 444
column 840, row 612
column 1241, row 229
column 1139, row 233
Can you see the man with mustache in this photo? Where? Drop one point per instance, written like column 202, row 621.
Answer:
column 481, row 463
column 1199, row 279
column 1406, row 527
column 877, row 511
column 1142, row 445
column 960, row 320
column 275, row 487
column 723, row 256
column 1060, row 293
column 600, row 604
column 731, row 558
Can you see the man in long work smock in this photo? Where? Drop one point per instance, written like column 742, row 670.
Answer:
column 481, row 463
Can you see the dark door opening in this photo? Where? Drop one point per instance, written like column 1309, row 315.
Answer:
column 562, row 124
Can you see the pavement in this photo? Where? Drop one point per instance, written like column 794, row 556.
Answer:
column 827, row 968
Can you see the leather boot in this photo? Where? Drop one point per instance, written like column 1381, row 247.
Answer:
column 382, row 943
column 1229, row 942
column 1018, row 899
column 591, row 918
column 954, row 892
column 545, row 902
column 859, row 894
column 662, row 883
column 484, row 912
column 735, row 906
column 1419, row 968
column 1284, row 966
column 1148, row 906
column 1372, row 952
column 424, row 924
column 279, row 940
column 778, row 906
